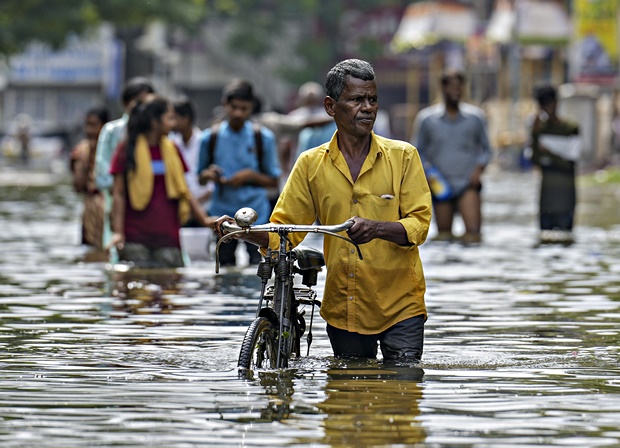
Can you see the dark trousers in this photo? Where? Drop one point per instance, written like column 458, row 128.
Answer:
column 557, row 221
column 227, row 253
column 403, row 341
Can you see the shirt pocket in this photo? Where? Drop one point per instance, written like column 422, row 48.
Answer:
column 382, row 208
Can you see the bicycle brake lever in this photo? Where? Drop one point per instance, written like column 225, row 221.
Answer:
column 224, row 239
column 349, row 240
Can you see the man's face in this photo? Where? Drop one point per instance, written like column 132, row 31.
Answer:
column 182, row 123
column 92, row 127
column 168, row 121
column 238, row 111
column 453, row 91
column 356, row 109
column 550, row 108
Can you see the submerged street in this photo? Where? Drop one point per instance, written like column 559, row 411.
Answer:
column 521, row 350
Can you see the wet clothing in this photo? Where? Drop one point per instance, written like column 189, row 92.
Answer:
column 82, row 160
column 455, row 146
column 403, row 341
column 233, row 152
column 158, row 224
column 110, row 136
column 371, row 295
column 171, row 165
column 151, row 257
column 557, row 190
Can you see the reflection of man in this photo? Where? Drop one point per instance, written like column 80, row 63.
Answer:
column 381, row 183
column 372, row 407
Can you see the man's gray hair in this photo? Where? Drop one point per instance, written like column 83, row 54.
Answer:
column 336, row 78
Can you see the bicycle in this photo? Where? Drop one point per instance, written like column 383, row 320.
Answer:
column 274, row 336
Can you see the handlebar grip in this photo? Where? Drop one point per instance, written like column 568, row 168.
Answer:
column 228, row 227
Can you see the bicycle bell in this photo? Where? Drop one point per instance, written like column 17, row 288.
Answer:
column 245, row 217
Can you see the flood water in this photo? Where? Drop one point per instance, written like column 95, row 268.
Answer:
column 521, row 344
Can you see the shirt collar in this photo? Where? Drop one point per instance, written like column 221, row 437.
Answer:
column 441, row 110
column 376, row 148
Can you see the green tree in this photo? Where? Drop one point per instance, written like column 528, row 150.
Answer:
column 50, row 21
column 256, row 23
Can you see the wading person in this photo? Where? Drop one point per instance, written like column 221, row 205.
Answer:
column 186, row 135
column 151, row 198
column 555, row 150
column 110, row 136
column 452, row 139
column 83, row 170
column 241, row 158
column 381, row 184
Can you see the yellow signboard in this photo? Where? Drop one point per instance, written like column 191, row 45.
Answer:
column 596, row 39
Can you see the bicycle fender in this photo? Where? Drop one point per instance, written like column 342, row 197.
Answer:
column 271, row 315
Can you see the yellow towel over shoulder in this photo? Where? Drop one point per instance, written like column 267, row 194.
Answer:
column 140, row 181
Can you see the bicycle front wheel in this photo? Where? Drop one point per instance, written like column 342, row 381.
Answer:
column 259, row 349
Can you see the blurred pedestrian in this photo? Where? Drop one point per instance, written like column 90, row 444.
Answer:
column 24, row 123
column 241, row 158
column 151, row 198
column 313, row 136
column 310, row 98
column 186, row 135
column 83, row 171
column 452, row 139
column 556, row 147
column 110, row 136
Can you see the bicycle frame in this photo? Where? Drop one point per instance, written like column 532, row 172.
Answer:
column 286, row 298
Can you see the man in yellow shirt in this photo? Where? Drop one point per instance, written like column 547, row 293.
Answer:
column 381, row 184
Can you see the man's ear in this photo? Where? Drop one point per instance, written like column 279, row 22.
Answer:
column 329, row 103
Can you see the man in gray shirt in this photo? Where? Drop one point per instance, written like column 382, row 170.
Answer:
column 451, row 137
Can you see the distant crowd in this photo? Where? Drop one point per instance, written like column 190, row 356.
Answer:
column 153, row 171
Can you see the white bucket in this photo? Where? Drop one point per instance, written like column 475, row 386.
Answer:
column 196, row 242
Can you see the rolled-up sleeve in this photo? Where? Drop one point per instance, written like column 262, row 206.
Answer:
column 415, row 199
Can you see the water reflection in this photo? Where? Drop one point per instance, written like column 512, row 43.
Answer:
column 361, row 403
column 521, row 345
column 144, row 291
column 372, row 406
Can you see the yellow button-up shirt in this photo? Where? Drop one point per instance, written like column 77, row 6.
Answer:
column 364, row 296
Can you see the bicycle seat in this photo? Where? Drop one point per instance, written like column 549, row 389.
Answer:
column 309, row 258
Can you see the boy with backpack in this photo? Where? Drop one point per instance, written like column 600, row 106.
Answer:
column 241, row 158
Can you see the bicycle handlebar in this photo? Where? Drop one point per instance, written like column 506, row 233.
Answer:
column 287, row 228
column 284, row 229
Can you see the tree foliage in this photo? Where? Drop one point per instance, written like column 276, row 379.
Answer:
column 50, row 21
column 255, row 23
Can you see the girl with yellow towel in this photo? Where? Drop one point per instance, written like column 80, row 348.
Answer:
column 151, row 199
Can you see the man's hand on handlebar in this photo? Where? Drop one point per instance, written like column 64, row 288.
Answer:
column 217, row 226
column 258, row 239
column 362, row 230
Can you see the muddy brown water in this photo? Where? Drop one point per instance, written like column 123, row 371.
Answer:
column 521, row 343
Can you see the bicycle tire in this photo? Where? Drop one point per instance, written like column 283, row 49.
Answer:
column 259, row 349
